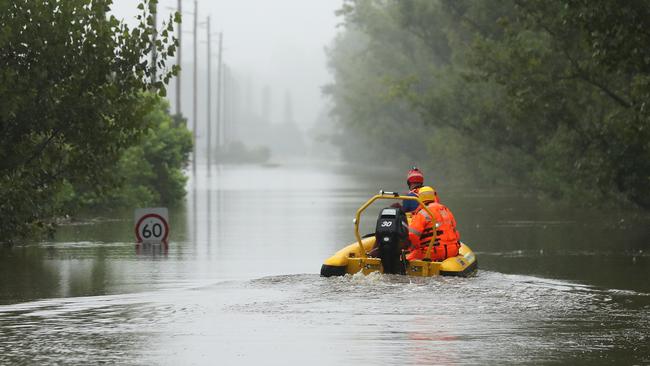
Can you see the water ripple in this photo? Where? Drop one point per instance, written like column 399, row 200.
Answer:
column 492, row 318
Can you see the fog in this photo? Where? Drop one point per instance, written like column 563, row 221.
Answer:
column 274, row 68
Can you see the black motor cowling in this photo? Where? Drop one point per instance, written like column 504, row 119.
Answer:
column 391, row 236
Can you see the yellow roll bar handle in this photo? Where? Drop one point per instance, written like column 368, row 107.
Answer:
column 386, row 195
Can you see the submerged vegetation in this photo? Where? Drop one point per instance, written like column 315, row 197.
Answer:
column 81, row 118
column 544, row 94
column 147, row 173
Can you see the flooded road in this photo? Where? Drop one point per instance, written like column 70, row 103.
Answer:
column 239, row 283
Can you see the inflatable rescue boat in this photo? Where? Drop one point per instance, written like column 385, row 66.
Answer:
column 391, row 233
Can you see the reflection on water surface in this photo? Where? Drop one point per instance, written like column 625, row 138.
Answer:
column 238, row 283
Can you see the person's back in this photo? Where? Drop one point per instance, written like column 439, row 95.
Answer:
column 447, row 235
column 421, row 229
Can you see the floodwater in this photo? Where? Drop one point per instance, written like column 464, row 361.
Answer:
column 239, row 283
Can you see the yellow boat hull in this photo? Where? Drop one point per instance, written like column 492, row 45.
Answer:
column 351, row 260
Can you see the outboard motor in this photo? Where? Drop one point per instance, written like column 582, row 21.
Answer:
column 391, row 236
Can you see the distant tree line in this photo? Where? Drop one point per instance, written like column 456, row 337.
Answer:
column 81, row 117
column 552, row 95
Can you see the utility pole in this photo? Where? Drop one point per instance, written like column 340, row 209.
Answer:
column 219, row 89
column 209, row 103
column 194, row 111
column 179, row 60
column 228, row 102
column 153, row 9
column 288, row 108
column 266, row 104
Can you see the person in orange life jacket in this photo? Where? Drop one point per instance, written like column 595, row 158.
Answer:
column 442, row 225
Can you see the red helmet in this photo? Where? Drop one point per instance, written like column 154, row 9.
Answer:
column 415, row 176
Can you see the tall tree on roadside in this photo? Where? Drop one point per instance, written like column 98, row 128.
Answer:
column 575, row 77
column 551, row 95
column 72, row 79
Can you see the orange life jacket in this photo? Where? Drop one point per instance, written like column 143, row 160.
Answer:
column 446, row 228
column 422, row 228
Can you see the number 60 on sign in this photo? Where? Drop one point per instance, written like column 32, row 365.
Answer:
column 151, row 225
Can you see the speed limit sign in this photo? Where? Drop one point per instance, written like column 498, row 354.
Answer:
column 151, row 225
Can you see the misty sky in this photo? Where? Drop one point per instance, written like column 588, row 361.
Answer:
column 279, row 43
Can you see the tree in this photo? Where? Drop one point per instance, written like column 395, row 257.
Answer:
column 148, row 173
column 367, row 61
column 546, row 94
column 400, row 92
column 71, row 100
column 575, row 80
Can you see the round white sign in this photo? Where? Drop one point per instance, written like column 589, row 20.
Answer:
column 151, row 227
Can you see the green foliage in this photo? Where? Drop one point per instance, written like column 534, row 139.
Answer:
column 364, row 96
column 544, row 94
column 149, row 173
column 571, row 97
column 71, row 83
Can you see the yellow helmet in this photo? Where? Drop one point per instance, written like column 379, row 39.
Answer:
column 427, row 194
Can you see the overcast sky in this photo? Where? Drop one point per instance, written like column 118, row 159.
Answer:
column 279, row 43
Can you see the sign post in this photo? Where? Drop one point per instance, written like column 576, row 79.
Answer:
column 151, row 225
